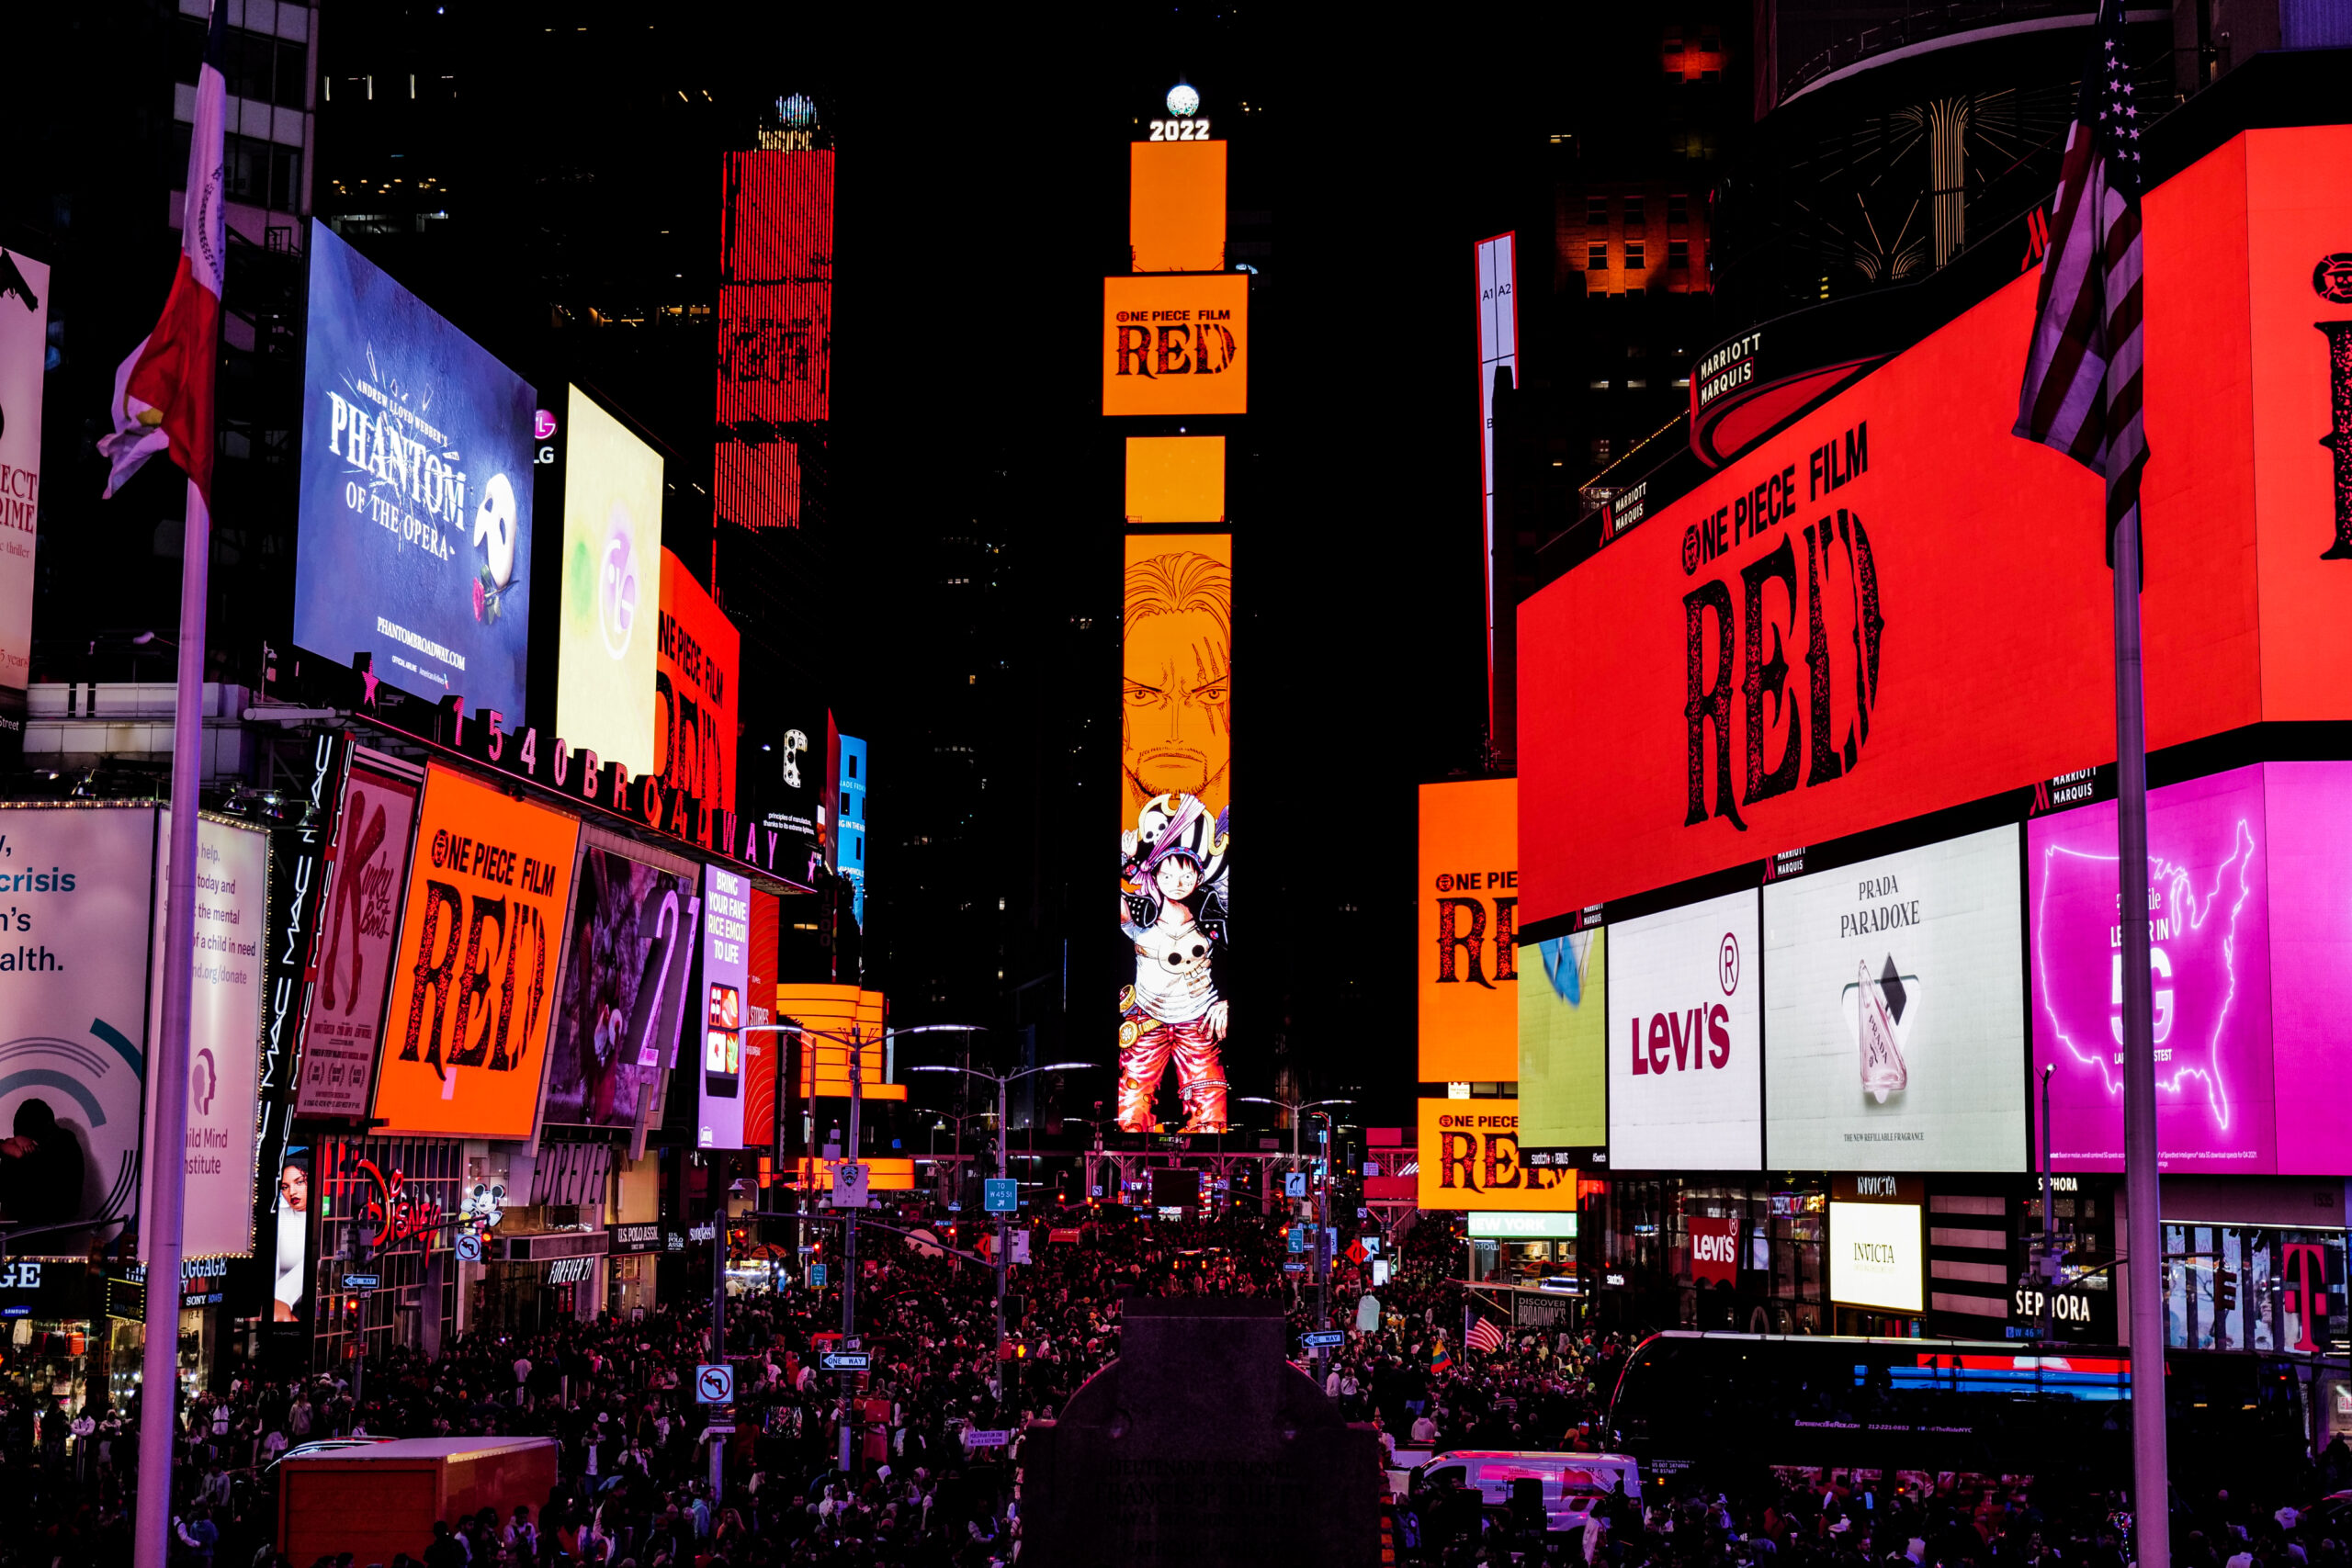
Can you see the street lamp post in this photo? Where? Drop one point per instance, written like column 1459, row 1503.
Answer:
column 855, row 1043
column 1322, row 1194
column 1004, row 1081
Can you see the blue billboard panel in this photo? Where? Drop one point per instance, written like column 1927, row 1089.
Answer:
column 416, row 515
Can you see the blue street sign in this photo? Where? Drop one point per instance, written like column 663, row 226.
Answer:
column 816, row 1276
column 362, row 1281
column 715, row 1385
column 846, row 1360
column 1298, row 1238
column 1000, row 1195
column 1294, row 1184
column 1323, row 1337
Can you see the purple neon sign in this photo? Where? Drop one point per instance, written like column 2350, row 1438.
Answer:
column 2250, row 892
column 2209, row 877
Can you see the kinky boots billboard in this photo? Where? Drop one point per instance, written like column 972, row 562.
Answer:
column 1890, row 605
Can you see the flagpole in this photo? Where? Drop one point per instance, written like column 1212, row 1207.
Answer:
column 2144, row 1244
column 160, row 1226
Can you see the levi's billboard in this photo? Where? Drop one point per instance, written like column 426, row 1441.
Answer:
column 1894, row 605
column 1685, row 1067
column 1469, row 1159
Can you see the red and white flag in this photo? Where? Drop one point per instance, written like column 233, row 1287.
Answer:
column 1485, row 1336
column 2081, row 393
column 162, row 394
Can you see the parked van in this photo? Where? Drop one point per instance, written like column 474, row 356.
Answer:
column 1573, row 1483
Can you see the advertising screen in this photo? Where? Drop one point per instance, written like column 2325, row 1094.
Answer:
column 1894, row 1011
column 224, row 1031
column 1175, row 828
column 1175, row 479
column 1470, row 1159
column 1685, row 1069
column 1468, row 981
column 24, row 356
column 776, row 330
column 627, row 964
column 794, row 792
column 474, row 978
column 761, row 1052
column 726, row 980
column 612, row 563
column 73, row 1015
column 1564, row 1045
column 697, row 710
column 1714, row 1250
column 1176, row 345
column 291, row 1297
column 2208, row 846
column 366, row 870
column 1881, row 610
column 1876, row 1257
column 1176, row 208
column 414, row 526
column 850, row 856
column 1498, row 362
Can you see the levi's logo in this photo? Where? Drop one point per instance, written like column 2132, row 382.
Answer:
column 1682, row 1041
column 1706, row 1248
column 1834, row 615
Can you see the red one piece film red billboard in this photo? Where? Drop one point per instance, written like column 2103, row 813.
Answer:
column 1894, row 605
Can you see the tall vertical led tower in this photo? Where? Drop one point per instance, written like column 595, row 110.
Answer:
column 1175, row 376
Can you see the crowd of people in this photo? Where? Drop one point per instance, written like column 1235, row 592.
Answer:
column 634, row 1488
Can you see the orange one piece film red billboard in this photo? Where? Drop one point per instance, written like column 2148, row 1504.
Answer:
column 474, row 981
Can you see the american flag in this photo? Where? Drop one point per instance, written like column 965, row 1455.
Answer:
column 2081, row 374
column 1485, row 1336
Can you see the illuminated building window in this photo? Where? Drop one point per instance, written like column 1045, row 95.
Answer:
column 1634, row 218
column 1596, row 211
column 1600, row 386
column 1596, row 258
column 1634, row 262
column 1637, row 384
column 1677, row 254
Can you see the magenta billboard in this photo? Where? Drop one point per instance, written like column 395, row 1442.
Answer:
column 2248, row 894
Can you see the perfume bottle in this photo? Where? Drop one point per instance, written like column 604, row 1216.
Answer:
column 1883, row 1068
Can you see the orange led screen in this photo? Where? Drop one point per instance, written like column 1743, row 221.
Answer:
column 1470, row 1159
column 1467, row 976
column 1176, row 205
column 1173, row 346
column 696, row 661
column 474, row 978
column 1176, row 664
column 1175, row 800
column 1175, row 479
column 1896, row 605
column 838, row 1010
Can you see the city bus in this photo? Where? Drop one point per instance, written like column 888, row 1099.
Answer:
column 1922, row 1412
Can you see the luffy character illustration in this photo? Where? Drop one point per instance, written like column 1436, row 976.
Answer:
column 1173, row 907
